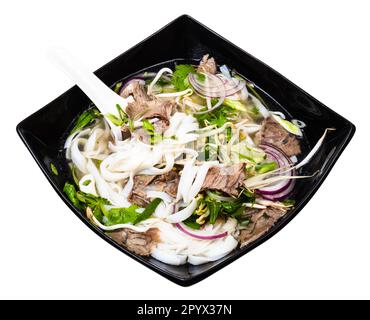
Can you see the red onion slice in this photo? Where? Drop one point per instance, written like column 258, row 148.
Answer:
column 217, row 87
column 182, row 228
column 279, row 189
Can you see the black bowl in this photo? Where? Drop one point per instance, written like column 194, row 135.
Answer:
column 185, row 38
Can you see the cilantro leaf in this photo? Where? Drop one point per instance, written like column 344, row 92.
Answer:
column 179, row 77
column 122, row 215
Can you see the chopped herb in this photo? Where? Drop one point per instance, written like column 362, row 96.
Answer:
column 191, row 222
column 248, row 194
column 82, row 200
column 54, row 169
column 244, row 223
column 217, row 117
column 255, row 110
column 214, row 210
column 74, row 174
column 149, row 210
column 115, row 120
column 86, row 182
column 231, row 207
column 200, row 77
column 122, row 215
column 288, row 202
column 97, row 204
column 119, row 120
column 266, row 167
column 117, row 87
column 97, row 162
column 235, row 105
column 70, row 191
column 131, row 124
column 228, row 134
column 154, row 136
column 85, row 119
column 148, row 126
column 179, row 77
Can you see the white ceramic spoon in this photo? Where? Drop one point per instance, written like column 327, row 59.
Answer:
column 104, row 98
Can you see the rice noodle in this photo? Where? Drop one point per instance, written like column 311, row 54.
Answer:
column 157, row 77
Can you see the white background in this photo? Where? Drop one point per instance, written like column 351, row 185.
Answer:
column 46, row 252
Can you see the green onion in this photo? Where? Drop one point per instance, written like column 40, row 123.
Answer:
column 54, row 169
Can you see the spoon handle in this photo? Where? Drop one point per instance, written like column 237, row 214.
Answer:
column 101, row 95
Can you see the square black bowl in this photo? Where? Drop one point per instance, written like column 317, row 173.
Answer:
column 187, row 39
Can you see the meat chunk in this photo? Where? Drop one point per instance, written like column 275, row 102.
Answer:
column 272, row 132
column 227, row 179
column 260, row 222
column 207, row 65
column 161, row 109
column 141, row 243
column 138, row 196
column 167, row 182
column 126, row 132
column 138, row 92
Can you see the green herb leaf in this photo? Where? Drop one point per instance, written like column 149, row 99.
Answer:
column 85, row 119
column 74, row 174
column 200, row 77
column 228, row 134
column 154, row 136
column 266, row 167
column 217, row 117
column 231, row 207
column 117, row 87
column 179, row 77
column 192, row 224
column 255, row 110
column 122, row 215
column 86, row 182
column 54, row 168
column 70, row 191
column 235, row 104
column 244, row 223
column 214, row 210
column 288, row 202
column 119, row 120
column 149, row 210
column 115, row 120
column 121, row 113
column 148, row 126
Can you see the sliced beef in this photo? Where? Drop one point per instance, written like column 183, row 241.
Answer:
column 227, row 179
column 138, row 196
column 126, row 132
column 261, row 222
column 146, row 106
column 167, row 182
column 140, row 243
column 272, row 132
column 138, row 92
column 161, row 109
column 207, row 65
